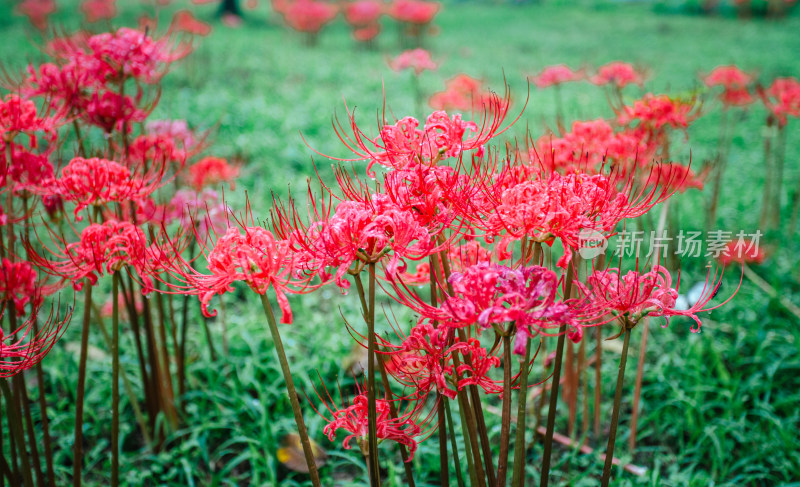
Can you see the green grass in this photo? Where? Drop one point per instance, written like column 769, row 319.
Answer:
column 718, row 407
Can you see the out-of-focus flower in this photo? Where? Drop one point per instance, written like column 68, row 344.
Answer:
column 417, row 59
column 210, row 171
column 37, row 11
column 618, row 74
column 557, row 75
column 782, row 99
column 413, row 11
column 96, row 10
column 185, row 21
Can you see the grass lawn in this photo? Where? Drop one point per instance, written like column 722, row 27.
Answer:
column 718, row 407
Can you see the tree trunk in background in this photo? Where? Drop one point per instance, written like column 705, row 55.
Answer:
column 230, row 7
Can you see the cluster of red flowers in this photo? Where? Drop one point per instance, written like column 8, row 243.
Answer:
column 616, row 73
column 363, row 16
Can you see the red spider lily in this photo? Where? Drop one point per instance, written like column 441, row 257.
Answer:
column 362, row 13
column 146, row 148
column 103, row 248
column 478, row 364
column 210, row 171
column 619, row 74
column 37, row 11
column 19, row 116
column 366, row 33
column 309, row 15
column 677, row 178
column 591, row 146
column 637, row 294
column 353, row 419
column 557, row 75
column 404, row 144
column 110, row 111
column 21, row 349
column 176, row 130
column 186, row 205
column 782, row 99
column 413, row 11
column 417, row 59
column 743, row 252
column 729, row 77
column 463, row 93
column 654, row 112
column 18, row 285
column 87, row 182
column 357, row 232
column 521, row 203
column 96, row 10
column 130, row 53
column 26, row 169
column 422, row 361
column 736, row 97
column 460, row 257
column 63, row 87
column 185, row 21
column 246, row 253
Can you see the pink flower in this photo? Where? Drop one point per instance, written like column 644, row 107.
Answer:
column 556, row 75
column 185, row 21
column 37, row 11
column 95, row 10
column 414, row 11
column 463, row 93
column 742, row 251
column 363, row 12
column 417, row 59
column 18, row 285
column 210, row 171
column 309, row 15
column 727, row 77
column 353, row 419
column 782, row 99
column 619, row 74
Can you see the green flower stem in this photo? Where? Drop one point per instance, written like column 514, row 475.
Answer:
column 287, row 376
column 612, row 434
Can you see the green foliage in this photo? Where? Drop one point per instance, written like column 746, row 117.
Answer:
column 719, row 407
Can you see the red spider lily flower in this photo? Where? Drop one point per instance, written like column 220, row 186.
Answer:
column 404, row 144
column 422, row 361
column 638, row 294
column 177, row 130
column 460, row 257
column 557, row 75
column 130, row 53
column 309, row 15
column 475, row 370
column 743, row 252
column 591, row 146
column 62, row 87
column 146, row 148
column 103, row 248
column 417, row 59
column 619, row 74
column 782, row 99
column 26, row 168
column 110, row 111
column 353, row 419
column 559, row 206
column 357, row 231
column 246, row 253
column 19, row 116
column 676, row 177
column 413, row 11
column 18, row 285
column 654, row 112
column 463, row 93
column 87, row 182
column 185, row 21
column 21, row 349
column 366, row 33
column 727, row 77
column 37, row 11
column 210, row 171
column 186, row 205
column 361, row 13
column 96, row 10
column 736, row 97
column 147, row 24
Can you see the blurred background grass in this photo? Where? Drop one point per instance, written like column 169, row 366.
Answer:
column 718, row 408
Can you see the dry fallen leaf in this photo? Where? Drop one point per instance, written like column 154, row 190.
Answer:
column 290, row 454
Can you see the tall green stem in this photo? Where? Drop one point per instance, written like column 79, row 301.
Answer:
column 77, row 447
column 287, row 377
column 505, row 427
column 372, row 416
column 551, row 413
column 15, row 428
column 453, row 444
column 612, row 434
column 115, row 380
column 518, row 477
